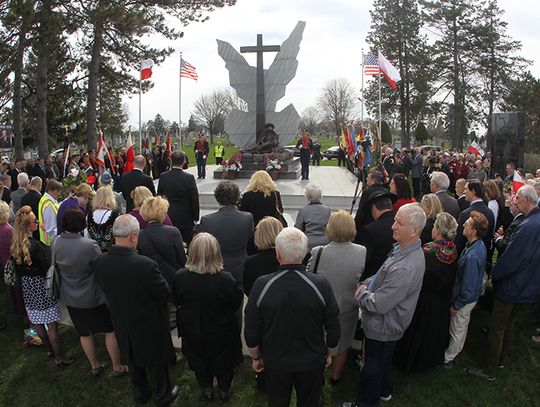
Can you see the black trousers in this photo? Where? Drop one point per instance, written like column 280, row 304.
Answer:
column 376, row 376
column 205, row 378
column 219, row 160
column 308, row 386
column 416, row 187
column 304, row 162
column 159, row 378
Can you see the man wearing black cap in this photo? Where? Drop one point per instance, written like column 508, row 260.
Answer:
column 377, row 236
column 305, row 144
column 363, row 216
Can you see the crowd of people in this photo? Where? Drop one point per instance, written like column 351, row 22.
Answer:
column 402, row 276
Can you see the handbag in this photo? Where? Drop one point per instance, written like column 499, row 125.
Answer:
column 279, row 215
column 52, row 279
column 317, row 260
column 10, row 273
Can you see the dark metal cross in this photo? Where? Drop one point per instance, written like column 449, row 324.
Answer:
column 260, row 106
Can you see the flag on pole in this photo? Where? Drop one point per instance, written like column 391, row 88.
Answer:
column 389, row 71
column 371, row 64
column 517, row 181
column 130, row 154
column 476, row 149
column 343, row 141
column 102, row 152
column 350, row 144
column 145, row 66
column 353, row 137
column 187, row 70
column 66, row 153
column 360, row 136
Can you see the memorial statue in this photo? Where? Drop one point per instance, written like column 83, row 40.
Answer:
column 267, row 142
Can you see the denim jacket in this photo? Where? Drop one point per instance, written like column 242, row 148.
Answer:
column 470, row 275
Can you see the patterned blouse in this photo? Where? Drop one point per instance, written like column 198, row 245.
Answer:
column 101, row 231
column 445, row 250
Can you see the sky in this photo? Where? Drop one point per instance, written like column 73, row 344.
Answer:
column 331, row 48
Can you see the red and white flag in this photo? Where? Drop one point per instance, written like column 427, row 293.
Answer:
column 517, row 181
column 476, row 149
column 102, row 152
column 145, row 66
column 389, row 71
column 130, row 154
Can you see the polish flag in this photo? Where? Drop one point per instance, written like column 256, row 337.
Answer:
column 100, row 156
column 145, row 66
column 389, row 71
column 517, row 181
column 130, row 154
column 476, row 149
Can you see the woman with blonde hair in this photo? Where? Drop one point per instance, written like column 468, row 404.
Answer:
column 261, row 198
column 424, row 342
column 207, row 298
column 432, row 207
column 139, row 195
column 102, row 217
column 32, row 260
column 342, row 263
column 264, row 261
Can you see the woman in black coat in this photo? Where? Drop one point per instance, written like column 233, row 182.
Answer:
column 160, row 242
column 261, row 197
column 424, row 342
column 207, row 298
column 264, row 261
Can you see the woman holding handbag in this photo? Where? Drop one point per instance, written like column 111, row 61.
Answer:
column 32, row 261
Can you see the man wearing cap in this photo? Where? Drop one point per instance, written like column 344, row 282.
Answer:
column 377, row 236
column 305, row 145
column 201, row 152
column 374, row 182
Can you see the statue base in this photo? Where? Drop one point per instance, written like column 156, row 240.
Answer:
column 251, row 163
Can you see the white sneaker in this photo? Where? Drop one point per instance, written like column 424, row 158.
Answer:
column 386, row 398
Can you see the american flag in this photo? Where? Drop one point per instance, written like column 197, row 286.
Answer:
column 187, row 70
column 371, row 64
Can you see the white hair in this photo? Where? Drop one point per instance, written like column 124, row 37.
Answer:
column 292, row 244
column 313, row 193
column 124, row 225
column 139, row 162
column 440, row 179
column 22, row 179
column 417, row 216
column 528, row 191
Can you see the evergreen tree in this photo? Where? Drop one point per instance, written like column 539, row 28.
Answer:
column 421, row 134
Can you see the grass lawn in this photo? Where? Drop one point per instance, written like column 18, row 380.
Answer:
column 31, row 379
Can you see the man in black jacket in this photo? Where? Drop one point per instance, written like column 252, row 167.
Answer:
column 136, row 178
column 363, row 216
column 137, row 295
column 287, row 316
column 377, row 237
column 181, row 190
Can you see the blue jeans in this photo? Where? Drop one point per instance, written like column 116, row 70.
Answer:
column 201, row 166
column 376, row 376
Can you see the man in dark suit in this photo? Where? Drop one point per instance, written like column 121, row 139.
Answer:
column 439, row 184
column 474, row 191
column 181, row 190
column 13, row 172
column 363, row 216
column 5, row 181
column 377, row 237
column 137, row 295
column 136, row 178
column 32, row 198
column 232, row 228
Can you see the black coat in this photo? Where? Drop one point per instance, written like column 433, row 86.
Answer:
column 481, row 207
column 463, row 203
column 259, row 205
column 181, row 190
column 137, row 295
column 363, row 214
column 232, row 229
column 165, row 246
column 32, row 198
column 259, row 264
column 377, row 239
column 424, row 342
column 6, row 195
column 449, row 204
column 206, row 319
column 131, row 180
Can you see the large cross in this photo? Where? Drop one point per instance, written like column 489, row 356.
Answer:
column 261, row 108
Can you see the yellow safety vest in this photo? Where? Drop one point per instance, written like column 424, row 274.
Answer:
column 218, row 151
column 44, row 202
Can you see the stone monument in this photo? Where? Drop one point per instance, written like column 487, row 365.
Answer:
column 261, row 89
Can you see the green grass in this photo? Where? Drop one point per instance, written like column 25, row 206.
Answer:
column 30, row 379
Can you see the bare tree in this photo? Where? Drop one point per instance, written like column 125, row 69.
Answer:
column 337, row 102
column 211, row 110
column 234, row 102
column 310, row 119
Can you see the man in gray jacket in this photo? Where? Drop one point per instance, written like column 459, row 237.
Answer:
column 388, row 300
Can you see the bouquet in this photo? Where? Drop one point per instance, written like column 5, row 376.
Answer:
column 232, row 164
column 273, row 165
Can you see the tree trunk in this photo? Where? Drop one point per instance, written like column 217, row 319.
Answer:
column 17, row 95
column 41, row 83
column 93, row 76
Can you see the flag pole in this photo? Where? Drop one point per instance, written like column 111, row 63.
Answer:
column 180, row 102
column 380, row 104
column 140, row 95
column 362, row 93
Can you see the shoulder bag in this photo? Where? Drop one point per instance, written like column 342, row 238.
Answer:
column 52, row 279
column 10, row 273
column 316, row 266
column 279, row 215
